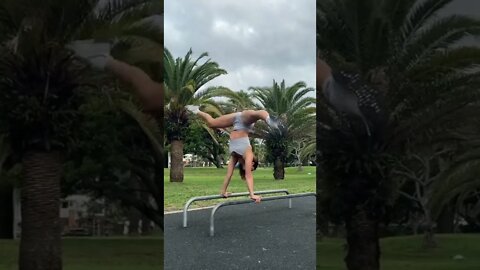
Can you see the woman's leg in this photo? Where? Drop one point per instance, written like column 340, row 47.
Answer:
column 150, row 92
column 251, row 116
column 223, row 121
column 98, row 54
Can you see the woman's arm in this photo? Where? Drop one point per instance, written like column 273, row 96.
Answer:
column 228, row 176
column 249, row 176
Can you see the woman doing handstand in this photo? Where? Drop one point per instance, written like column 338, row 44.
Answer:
column 239, row 145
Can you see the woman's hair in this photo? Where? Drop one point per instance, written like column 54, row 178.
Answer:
column 242, row 170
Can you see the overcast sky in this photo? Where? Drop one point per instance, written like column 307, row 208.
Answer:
column 465, row 7
column 468, row 7
column 255, row 41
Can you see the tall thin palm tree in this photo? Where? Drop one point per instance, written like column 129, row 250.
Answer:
column 296, row 112
column 183, row 79
column 416, row 73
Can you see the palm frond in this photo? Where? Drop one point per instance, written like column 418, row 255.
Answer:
column 148, row 125
column 434, row 37
column 460, row 178
column 419, row 15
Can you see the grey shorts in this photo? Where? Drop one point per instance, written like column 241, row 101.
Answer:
column 239, row 145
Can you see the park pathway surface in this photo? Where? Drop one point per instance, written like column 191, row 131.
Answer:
column 265, row 236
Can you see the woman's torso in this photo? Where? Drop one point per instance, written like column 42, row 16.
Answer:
column 242, row 126
column 238, row 134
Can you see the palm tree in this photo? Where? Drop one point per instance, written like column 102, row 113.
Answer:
column 149, row 174
column 309, row 149
column 460, row 179
column 236, row 101
column 294, row 108
column 420, row 78
column 40, row 92
column 183, row 80
column 118, row 156
column 38, row 97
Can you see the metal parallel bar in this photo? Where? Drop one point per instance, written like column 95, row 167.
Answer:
column 211, row 197
column 218, row 206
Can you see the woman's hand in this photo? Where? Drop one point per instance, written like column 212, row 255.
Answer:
column 256, row 198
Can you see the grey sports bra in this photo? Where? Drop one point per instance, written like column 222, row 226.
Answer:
column 238, row 124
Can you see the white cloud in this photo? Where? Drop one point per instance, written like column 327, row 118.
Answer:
column 255, row 41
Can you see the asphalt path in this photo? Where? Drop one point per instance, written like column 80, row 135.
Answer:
column 247, row 236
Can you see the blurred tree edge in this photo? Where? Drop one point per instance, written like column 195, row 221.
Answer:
column 41, row 84
column 423, row 80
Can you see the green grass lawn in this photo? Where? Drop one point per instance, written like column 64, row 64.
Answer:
column 124, row 253
column 405, row 253
column 208, row 181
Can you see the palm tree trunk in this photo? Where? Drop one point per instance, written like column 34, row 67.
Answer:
column 176, row 170
column 363, row 244
column 278, row 169
column 40, row 245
